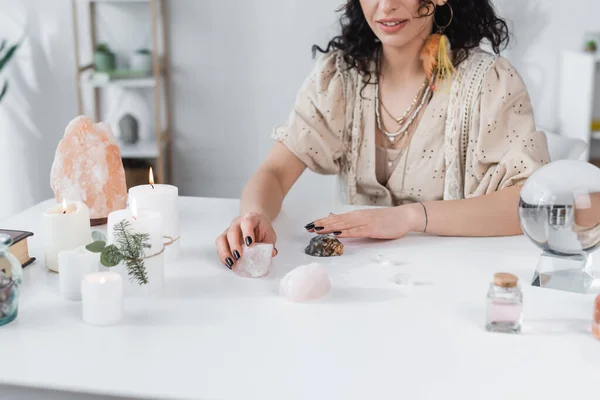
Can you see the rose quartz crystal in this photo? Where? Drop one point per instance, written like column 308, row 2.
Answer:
column 304, row 283
column 88, row 167
column 255, row 261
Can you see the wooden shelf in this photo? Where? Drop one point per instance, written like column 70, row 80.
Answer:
column 148, row 82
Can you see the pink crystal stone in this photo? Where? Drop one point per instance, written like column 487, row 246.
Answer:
column 305, row 283
column 88, row 167
column 255, row 261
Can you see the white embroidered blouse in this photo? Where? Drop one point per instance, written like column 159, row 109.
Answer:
column 476, row 136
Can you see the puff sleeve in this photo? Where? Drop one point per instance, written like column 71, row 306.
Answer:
column 315, row 128
column 507, row 148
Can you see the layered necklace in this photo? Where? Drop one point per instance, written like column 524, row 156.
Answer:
column 409, row 116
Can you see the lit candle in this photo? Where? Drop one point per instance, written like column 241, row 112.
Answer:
column 73, row 265
column 66, row 226
column 154, row 260
column 102, row 298
column 163, row 199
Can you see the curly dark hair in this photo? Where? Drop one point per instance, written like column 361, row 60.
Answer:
column 474, row 22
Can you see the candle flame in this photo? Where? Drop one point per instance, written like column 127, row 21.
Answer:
column 102, row 280
column 133, row 207
column 151, row 177
column 64, row 206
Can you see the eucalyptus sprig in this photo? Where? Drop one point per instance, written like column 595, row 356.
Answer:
column 129, row 248
column 6, row 53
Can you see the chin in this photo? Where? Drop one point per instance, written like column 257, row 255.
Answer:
column 397, row 42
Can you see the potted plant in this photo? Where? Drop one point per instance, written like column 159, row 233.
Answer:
column 591, row 46
column 104, row 59
column 141, row 61
column 6, row 53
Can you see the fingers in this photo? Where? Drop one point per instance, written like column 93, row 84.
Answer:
column 356, row 232
column 223, row 251
column 234, row 238
column 338, row 223
column 249, row 223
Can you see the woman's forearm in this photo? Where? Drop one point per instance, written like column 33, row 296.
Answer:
column 494, row 214
column 263, row 194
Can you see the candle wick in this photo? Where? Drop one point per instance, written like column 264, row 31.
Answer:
column 64, row 212
column 152, row 185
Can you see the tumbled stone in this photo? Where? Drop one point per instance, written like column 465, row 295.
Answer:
column 324, row 246
column 305, row 283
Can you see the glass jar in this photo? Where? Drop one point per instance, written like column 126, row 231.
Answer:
column 504, row 304
column 11, row 277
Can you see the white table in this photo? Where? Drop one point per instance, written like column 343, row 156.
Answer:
column 214, row 335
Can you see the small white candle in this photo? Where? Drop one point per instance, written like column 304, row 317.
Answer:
column 142, row 222
column 65, row 227
column 73, row 265
column 163, row 199
column 102, row 298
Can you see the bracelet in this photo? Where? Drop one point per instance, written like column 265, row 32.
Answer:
column 426, row 217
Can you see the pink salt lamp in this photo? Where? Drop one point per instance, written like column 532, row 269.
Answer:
column 87, row 167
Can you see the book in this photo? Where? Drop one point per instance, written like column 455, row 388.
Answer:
column 20, row 248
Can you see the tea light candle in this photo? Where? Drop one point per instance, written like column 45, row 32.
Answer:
column 102, row 298
column 73, row 265
column 163, row 199
column 142, row 222
column 65, row 227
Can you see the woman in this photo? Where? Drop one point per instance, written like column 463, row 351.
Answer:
column 451, row 164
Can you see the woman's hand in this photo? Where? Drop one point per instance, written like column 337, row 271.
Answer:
column 249, row 229
column 380, row 223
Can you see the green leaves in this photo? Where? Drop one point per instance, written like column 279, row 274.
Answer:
column 111, row 256
column 98, row 237
column 4, row 89
column 4, row 59
column 9, row 54
column 96, row 247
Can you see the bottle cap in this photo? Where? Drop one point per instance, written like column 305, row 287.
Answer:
column 505, row 280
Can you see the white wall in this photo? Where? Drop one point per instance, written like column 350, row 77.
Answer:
column 41, row 99
column 236, row 73
column 236, row 69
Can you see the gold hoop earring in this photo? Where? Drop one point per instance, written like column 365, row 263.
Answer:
column 441, row 28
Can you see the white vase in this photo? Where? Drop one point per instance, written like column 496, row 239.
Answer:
column 141, row 62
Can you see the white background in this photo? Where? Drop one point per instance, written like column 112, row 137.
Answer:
column 237, row 66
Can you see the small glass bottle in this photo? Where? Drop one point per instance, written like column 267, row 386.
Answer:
column 11, row 277
column 504, row 304
column 596, row 321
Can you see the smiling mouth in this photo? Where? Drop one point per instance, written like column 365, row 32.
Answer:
column 392, row 23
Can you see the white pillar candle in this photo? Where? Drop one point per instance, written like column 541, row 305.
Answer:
column 73, row 265
column 142, row 222
column 163, row 199
column 102, row 298
column 65, row 227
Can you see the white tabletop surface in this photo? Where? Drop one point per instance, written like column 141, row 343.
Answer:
column 214, row 335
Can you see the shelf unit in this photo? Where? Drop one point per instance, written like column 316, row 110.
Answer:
column 579, row 100
column 156, row 152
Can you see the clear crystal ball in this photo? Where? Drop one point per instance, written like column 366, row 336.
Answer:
column 559, row 208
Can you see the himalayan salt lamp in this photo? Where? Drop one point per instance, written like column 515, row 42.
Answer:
column 88, row 168
column 305, row 283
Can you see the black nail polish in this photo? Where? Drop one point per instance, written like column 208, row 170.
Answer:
column 248, row 241
column 337, row 233
column 309, row 226
column 229, row 262
column 236, row 254
column 319, row 228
